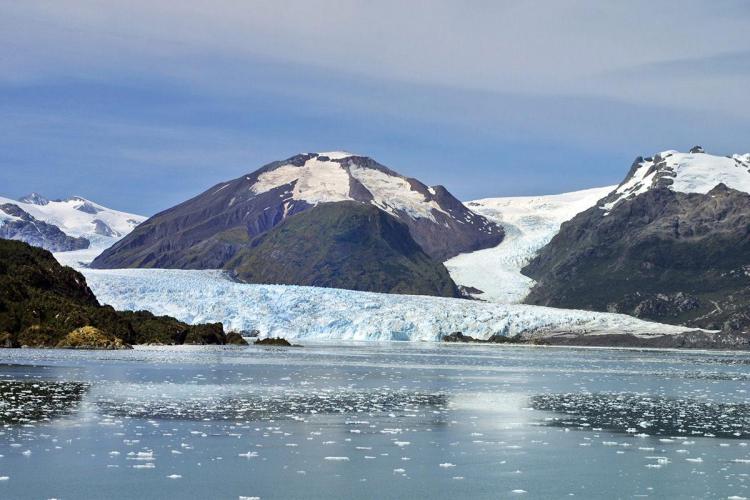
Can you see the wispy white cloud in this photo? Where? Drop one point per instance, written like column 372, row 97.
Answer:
column 537, row 47
column 529, row 96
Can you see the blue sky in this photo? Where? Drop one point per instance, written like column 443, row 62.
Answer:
column 141, row 105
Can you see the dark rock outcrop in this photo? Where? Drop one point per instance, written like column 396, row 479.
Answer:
column 688, row 340
column 460, row 338
column 343, row 245
column 275, row 342
column 42, row 302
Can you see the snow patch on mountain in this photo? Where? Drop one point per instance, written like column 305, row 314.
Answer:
column 530, row 222
column 324, row 178
column 332, row 314
column 315, row 182
column 392, row 193
column 337, row 155
column 694, row 172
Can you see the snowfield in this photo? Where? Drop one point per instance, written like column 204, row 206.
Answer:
column 77, row 216
column 332, row 314
column 320, row 181
column 530, row 222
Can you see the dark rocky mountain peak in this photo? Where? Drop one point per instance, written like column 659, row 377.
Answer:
column 34, row 199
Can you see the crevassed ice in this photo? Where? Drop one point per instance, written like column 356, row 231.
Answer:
column 530, row 222
column 326, row 313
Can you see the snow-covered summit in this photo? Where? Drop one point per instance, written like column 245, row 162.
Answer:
column 64, row 225
column 336, row 155
column 77, row 216
column 692, row 172
column 340, row 176
column 34, row 199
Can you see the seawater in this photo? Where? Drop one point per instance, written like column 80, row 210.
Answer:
column 374, row 420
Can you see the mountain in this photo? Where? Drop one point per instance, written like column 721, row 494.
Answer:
column 529, row 222
column 18, row 224
column 343, row 245
column 63, row 225
column 671, row 243
column 42, row 302
column 208, row 231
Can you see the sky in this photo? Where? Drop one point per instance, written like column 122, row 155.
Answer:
column 140, row 105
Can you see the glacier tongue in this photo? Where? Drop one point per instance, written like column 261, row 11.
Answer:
column 333, row 314
column 530, row 222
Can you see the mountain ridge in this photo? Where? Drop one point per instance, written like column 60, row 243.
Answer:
column 64, row 225
column 669, row 244
column 208, row 230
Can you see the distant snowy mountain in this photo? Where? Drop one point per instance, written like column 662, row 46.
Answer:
column 63, row 225
column 332, row 314
column 530, row 222
column 671, row 243
column 214, row 229
column 17, row 224
column 693, row 172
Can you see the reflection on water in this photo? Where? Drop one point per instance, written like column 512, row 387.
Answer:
column 373, row 421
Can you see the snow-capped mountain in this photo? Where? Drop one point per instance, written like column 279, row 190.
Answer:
column 693, row 172
column 529, row 222
column 210, row 230
column 670, row 243
column 63, row 225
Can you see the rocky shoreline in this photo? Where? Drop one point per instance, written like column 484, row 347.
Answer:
column 697, row 339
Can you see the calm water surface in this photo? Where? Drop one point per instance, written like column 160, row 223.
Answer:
column 374, row 421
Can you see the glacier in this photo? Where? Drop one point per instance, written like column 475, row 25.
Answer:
column 297, row 312
column 530, row 222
